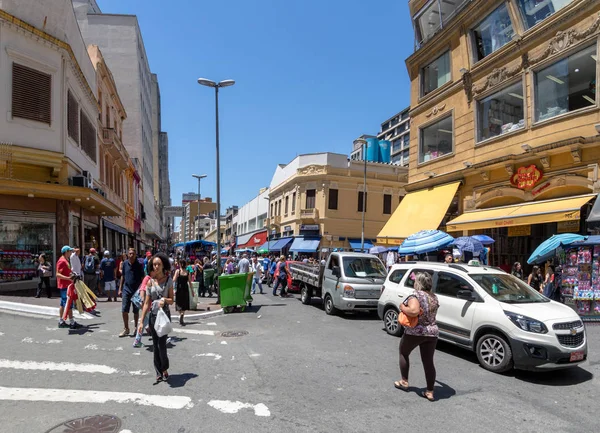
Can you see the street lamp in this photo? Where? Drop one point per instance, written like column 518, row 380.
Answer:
column 363, row 144
column 199, row 177
column 224, row 83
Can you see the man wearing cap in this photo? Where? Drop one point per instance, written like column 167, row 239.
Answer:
column 148, row 255
column 107, row 274
column 90, row 265
column 64, row 277
column 131, row 278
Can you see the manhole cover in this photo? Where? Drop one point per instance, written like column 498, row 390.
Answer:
column 234, row 333
column 89, row 424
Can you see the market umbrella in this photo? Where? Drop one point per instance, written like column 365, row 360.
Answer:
column 378, row 250
column 484, row 239
column 425, row 241
column 549, row 246
column 468, row 243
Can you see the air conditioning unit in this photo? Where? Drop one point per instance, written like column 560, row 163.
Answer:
column 78, row 181
column 100, row 191
column 89, row 178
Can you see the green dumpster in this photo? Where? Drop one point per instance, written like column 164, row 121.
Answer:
column 235, row 291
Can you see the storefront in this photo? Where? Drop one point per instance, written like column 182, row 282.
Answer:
column 252, row 240
column 308, row 246
column 114, row 237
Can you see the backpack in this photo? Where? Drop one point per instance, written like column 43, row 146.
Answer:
column 89, row 267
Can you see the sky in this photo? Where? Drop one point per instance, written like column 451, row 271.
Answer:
column 311, row 76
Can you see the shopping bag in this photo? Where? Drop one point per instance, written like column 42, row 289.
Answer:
column 162, row 324
column 136, row 299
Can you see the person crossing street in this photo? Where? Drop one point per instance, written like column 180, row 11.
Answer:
column 64, row 278
column 133, row 274
column 257, row 268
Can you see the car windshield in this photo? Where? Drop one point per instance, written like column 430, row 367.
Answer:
column 363, row 267
column 508, row 289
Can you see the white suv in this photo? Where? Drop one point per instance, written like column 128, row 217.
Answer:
column 486, row 310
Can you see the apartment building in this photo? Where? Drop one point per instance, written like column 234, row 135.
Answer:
column 396, row 130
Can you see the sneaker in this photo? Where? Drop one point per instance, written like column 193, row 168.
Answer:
column 124, row 333
column 137, row 343
column 109, row 300
column 169, row 340
column 75, row 325
column 63, row 324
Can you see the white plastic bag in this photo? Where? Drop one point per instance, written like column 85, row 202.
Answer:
column 162, row 324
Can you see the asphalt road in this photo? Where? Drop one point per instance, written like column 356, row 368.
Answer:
column 297, row 370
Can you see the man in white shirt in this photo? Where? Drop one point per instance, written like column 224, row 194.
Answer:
column 76, row 262
column 257, row 268
column 244, row 265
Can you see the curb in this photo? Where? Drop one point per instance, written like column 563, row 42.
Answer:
column 40, row 310
column 208, row 314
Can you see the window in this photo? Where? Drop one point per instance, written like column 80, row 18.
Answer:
column 335, row 261
column 387, row 204
column 501, row 112
column 397, row 159
column 333, row 199
column 397, row 275
column 272, row 206
column 406, row 140
column 410, row 281
column 534, row 11
column 293, row 203
column 436, row 140
column 405, row 156
column 428, row 21
column 435, row 74
column 360, row 201
column 396, row 145
column 88, row 137
column 72, row 117
column 310, row 198
column 449, row 285
column 492, row 33
column 31, row 94
column 567, row 85
column 287, row 204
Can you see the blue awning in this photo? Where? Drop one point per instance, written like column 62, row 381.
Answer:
column 280, row 244
column 355, row 245
column 179, row 244
column 302, row 245
column 200, row 242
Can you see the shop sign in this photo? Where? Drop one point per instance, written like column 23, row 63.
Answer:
column 540, row 189
column 386, row 241
column 287, row 229
column 571, row 226
column 309, row 227
column 526, row 177
column 519, row 231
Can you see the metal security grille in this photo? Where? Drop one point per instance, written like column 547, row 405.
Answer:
column 72, row 117
column 571, row 340
column 88, row 137
column 31, row 94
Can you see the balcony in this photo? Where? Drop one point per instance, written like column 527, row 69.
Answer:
column 309, row 215
column 112, row 143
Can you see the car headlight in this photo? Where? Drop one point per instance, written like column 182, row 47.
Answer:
column 348, row 292
column 527, row 323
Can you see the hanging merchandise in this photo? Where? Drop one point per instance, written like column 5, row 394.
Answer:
column 581, row 279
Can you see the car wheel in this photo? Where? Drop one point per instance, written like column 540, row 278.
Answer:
column 329, row 307
column 305, row 295
column 494, row 353
column 390, row 322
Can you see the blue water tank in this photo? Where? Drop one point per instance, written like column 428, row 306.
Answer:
column 372, row 149
column 385, row 151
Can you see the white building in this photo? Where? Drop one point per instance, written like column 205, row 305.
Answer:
column 250, row 221
column 397, row 130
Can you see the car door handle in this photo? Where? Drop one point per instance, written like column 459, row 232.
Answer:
column 400, row 296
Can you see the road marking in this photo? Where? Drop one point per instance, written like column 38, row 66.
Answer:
column 211, row 324
column 254, row 355
column 223, row 342
column 139, row 373
column 208, row 355
column 85, row 396
column 40, row 310
column 227, row 406
column 30, row 340
column 95, row 347
column 57, row 366
column 194, row 331
column 1, row 334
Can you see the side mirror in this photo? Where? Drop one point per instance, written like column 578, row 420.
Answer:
column 466, row 295
column 336, row 271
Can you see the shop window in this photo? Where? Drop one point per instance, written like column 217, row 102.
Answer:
column 436, row 140
column 567, row 85
column 492, row 33
column 310, row 198
column 72, row 117
column 360, row 201
column 88, row 137
column 501, row 112
column 435, row 74
column 333, row 199
column 387, row 204
column 535, row 11
column 31, row 94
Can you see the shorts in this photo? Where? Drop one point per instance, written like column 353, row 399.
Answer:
column 63, row 298
column 110, row 286
column 126, row 302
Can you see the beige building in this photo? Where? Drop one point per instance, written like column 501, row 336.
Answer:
column 191, row 210
column 320, row 195
column 211, row 236
column 504, row 111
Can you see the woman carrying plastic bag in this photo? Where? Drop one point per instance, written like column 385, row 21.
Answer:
column 159, row 295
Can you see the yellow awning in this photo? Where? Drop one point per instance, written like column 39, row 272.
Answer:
column 563, row 209
column 419, row 210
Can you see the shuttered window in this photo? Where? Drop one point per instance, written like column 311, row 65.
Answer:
column 72, row 117
column 88, row 137
column 31, row 94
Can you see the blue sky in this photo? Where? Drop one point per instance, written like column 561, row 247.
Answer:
column 311, row 76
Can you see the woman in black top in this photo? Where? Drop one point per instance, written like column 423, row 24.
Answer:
column 517, row 271
column 182, row 290
column 535, row 279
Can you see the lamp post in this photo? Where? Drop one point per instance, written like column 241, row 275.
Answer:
column 217, row 86
column 363, row 143
column 199, row 177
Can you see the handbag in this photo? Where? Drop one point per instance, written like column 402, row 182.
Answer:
column 408, row 321
column 162, row 324
column 136, row 299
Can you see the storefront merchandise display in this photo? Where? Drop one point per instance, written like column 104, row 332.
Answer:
column 580, row 279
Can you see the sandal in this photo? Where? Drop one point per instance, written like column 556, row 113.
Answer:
column 402, row 385
column 428, row 395
column 159, row 379
column 165, row 375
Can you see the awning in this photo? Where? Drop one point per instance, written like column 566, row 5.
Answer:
column 113, row 226
column 254, row 240
column 356, row 243
column 243, row 239
column 264, row 248
column 302, row 245
column 594, row 216
column 419, row 210
column 548, row 211
column 280, row 244
column 179, row 244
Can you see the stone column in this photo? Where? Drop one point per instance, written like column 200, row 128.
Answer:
column 62, row 225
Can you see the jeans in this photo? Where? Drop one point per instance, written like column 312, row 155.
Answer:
column 283, row 282
column 256, row 281
column 46, row 281
column 161, row 360
column 427, row 347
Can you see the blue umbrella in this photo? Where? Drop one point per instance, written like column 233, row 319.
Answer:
column 548, row 248
column 425, row 241
column 484, row 239
column 468, row 243
column 378, row 250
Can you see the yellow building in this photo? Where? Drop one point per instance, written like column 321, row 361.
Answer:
column 211, row 236
column 504, row 111
column 191, row 210
column 320, row 196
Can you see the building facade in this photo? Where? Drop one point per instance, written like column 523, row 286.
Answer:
column 396, row 130
column 193, row 209
column 250, row 222
column 230, row 227
column 504, row 110
column 48, row 138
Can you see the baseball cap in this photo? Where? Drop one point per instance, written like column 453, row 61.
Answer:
column 65, row 249
column 107, row 253
column 148, row 254
column 93, row 250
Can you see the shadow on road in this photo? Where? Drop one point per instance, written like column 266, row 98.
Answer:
column 179, row 380
column 567, row 377
column 86, row 328
column 441, row 392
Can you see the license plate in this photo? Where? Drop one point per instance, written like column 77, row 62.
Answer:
column 576, row 356
column 371, row 302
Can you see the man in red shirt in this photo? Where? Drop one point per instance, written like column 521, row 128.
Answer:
column 64, row 277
